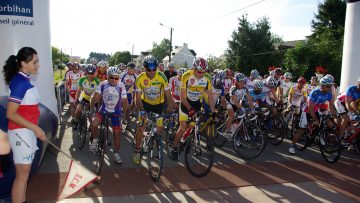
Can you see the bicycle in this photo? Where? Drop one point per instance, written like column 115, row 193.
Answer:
column 249, row 141
column 354, row 137
column 199, row 150
column 171, row 123
column 273, row 126
column 82, row 125
column 325, row 137
column 292, row 119
column 103, row 137
column 152, row 146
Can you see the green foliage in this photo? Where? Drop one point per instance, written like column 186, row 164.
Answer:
column 98, row 56
column 216, row 63
column 82, row 61
column 59, row 58
column 120, row 57
column 247, row 42
column 159, row 51
column 325, row 45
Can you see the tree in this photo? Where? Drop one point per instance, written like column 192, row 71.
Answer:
column 59, row 58
column 98, row 56
column 325, row 45
column 120, row 57
column 216, row 63
column 298, row 59
column 159, row 51
column 251, row 47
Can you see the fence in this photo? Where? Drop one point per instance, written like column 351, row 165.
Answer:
column 61, row 97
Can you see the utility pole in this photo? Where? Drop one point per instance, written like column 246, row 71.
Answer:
column 171, row 30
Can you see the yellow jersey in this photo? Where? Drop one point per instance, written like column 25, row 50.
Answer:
column 195, row 87
column 152, row 89
column 88, row 88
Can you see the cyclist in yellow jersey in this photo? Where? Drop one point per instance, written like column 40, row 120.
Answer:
column 194, row 84
column 152, row 91
column 86, row 87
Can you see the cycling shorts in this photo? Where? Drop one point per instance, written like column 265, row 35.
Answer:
column 23, row 144
column 153, row 109
column 184, row 112
column 115, row 119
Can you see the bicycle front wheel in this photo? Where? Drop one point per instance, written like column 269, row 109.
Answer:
column 330, row 146
column 277, row 131
column 248, row 145
column 155, row 157
column 100, row 152
column 199, row 155
column 82, row 131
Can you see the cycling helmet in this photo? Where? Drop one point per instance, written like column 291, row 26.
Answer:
column 258, row 85
column 271, row 81
column 131, row 65
column 90, row 68
column 330, row 77
column 69, row 64
column 181, row 71
column 288, row 75
column 121, row 66
column 216, row 71
column 326, row 81
column 150, row 62
column 103, row 64
column 200, row 64
column 113, row 71
column 301, row 80
column 254, row 74
column 314, row 77
column 278, row 71
column 240, row 77
column 93, row 61
column 171, row 65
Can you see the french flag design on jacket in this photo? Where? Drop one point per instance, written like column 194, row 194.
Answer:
column 27, row 96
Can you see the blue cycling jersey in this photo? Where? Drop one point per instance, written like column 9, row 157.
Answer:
column 256, row 97
column 353, row 92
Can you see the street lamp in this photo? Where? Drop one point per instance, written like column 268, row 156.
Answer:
column 171, row 30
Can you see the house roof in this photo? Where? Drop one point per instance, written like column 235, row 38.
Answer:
column 193, row 52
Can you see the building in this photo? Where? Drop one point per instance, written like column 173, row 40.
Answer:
column 287, row 44
column 76, row 59
column 181, row 56
column 140, row 59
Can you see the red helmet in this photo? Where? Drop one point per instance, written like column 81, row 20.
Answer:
column 200, row 64
column 301, row 80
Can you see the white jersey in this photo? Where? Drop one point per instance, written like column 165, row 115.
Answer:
column 227, row 84
column 249, row 84
column 175, row 84
column 128, row 80
column 111, row 96
column 286, row 87
column 73, row 79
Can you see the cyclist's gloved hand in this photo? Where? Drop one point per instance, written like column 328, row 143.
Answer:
column 192, row 112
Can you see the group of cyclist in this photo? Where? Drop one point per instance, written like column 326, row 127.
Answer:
column 117, row 91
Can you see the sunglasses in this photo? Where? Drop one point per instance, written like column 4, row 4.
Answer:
column 114, row 78
column 149, row 70
column 90, row 73
column 328, row 86
column 200, row 72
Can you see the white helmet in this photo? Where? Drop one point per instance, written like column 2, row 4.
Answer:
column 258, row 84
column 113, row 71
column 103, row 64
column 271, row 81
column 288, row 75
column 254, row 73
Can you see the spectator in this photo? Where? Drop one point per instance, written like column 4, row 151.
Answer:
column 23, row 114
column 171, row 71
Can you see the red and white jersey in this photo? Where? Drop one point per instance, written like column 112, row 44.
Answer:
column 27, row 96
column 175, row 84
column 73, row 79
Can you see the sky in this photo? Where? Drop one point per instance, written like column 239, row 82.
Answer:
column 79, row 27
